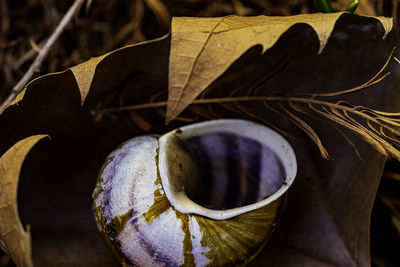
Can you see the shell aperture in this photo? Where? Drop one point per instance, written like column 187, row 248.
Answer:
column 142, row 225
column 235, row 171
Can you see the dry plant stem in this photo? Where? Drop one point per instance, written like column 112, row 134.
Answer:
column 73, row 10
column 381, row 129
column 246, row 99
column 336, row 112
column 233, row 100
column 311, row 99
column 254, row 98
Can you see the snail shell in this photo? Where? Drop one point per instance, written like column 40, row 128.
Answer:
column 207, row 194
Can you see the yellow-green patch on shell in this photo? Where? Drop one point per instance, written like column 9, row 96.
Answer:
column 140, row 225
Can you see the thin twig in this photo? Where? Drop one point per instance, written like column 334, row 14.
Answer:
column 372, row 81
column 27, row 56
column 250, row 98
column 344, row 108
column 72, row 11
column 147, row 105
column 219, row 100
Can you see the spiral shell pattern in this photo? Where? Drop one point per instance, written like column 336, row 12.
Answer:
column 141, row 226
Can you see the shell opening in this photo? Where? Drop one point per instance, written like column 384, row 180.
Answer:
column 223, row 168
column 234, row 171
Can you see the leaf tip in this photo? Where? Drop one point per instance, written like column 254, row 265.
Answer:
column 83, row 98
column 174, row 108
column 84, row 74
column 387, row 24
column 168, row 118
column 16, row 243
column 19, row 97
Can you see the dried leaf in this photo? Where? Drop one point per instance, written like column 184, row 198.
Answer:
column 14, row 240
column 387, row 24
column 330, row 199
column 63, row 229
column 203, row 48
column 19, row 97
column 84, row 73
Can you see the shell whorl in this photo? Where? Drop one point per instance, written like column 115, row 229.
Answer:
column 138, row 222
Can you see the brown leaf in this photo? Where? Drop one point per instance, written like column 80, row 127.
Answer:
column 203, row 48
column 326, row 221
column 84, row 73
column 14, row 240
column 19, row 97
column 57, row 181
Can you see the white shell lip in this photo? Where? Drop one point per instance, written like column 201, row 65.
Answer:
column 255, row 131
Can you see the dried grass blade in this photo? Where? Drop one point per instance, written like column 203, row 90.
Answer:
column 139, row 121
column 378, row 114
column 201, row 111
column 387, row 114
column 384, row 134
column 369, row 83
column 389, row 121
column 307, row 112
column 345, row 116
column 377, row 136
column 372, row 127
column 383, row 119
column 162, row 113
column 307, row 130
column 262, row 119
column 374, row 133
column 368, row 116
column 365, row 135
